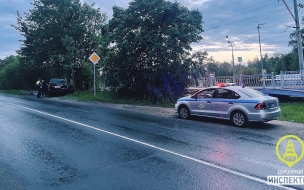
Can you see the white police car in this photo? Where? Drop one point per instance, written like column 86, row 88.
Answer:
column 228, row 101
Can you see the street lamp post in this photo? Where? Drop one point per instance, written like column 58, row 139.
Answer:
column 262, row 63
column 230, row 42
column 240, row 59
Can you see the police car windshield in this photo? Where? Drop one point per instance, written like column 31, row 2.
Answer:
column 251, row 92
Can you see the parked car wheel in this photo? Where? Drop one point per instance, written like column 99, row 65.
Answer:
column 184, row 112
column 239, row 118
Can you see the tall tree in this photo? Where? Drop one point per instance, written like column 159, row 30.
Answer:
column 224, row 69
column 60, row 35
column 212, row 66
column 198, row 68
column 150, row 38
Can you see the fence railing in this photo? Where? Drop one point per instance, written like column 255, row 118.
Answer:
column 286, row 79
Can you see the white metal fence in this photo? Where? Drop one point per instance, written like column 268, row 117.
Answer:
column 286, row 80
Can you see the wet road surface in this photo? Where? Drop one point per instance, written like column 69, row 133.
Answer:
column 58, row 144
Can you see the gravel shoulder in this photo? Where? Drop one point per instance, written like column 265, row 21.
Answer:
column 144, row 109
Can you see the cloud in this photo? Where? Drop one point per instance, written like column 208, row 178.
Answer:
column 236, row 18
column 193, row 4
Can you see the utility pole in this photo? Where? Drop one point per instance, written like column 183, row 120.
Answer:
column 262, row 64
column 299, row 40
column 230, row 42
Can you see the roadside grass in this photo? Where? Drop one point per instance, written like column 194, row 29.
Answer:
column 16, row 92
column 111, row 97
column 292, row 111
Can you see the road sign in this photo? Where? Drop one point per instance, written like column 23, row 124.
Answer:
column 212, row 74
column 94, row 58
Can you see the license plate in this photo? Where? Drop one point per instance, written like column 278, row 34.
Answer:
column 273, row 105
column 57, row 86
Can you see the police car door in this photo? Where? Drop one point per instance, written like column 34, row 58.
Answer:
column 202, row 103
column 222, row 102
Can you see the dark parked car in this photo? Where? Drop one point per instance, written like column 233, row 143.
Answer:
column 58, row 86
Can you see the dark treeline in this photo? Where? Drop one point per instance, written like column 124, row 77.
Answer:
column 145, row 49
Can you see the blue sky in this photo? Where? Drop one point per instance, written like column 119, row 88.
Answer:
column 237, row 19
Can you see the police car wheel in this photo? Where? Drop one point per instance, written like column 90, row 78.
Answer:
column 239, row 118
column 184, row 112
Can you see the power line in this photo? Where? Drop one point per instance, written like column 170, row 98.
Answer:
column 274, row 26
column 246, row 31
column 238, row 10
column 269, row 35
column 265, row 39
column 242, row 20
column 234, row 34
column 273, row 34
column 240, row 14
column 257, row 16
column 252, row 39
column 289, row 10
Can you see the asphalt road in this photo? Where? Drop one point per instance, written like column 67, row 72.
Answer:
column 49, row 143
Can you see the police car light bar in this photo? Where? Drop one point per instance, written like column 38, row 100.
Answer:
column 219, row 84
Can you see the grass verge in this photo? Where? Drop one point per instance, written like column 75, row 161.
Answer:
column 292, row 111
column 16, row 92
column 112, row 98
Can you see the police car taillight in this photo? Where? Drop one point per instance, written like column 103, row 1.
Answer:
column 260, row 106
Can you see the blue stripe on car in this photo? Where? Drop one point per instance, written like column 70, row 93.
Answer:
column 229, row 100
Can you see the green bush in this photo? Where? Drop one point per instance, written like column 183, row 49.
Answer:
column 11, row 76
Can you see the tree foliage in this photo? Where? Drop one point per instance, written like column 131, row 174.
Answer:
column 60, row 35
column 224, row 69
column 197, row 67
column 150, row 39
column 11, row 74
column 145, row 48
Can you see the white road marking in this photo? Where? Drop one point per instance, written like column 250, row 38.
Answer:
column 158, row 148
